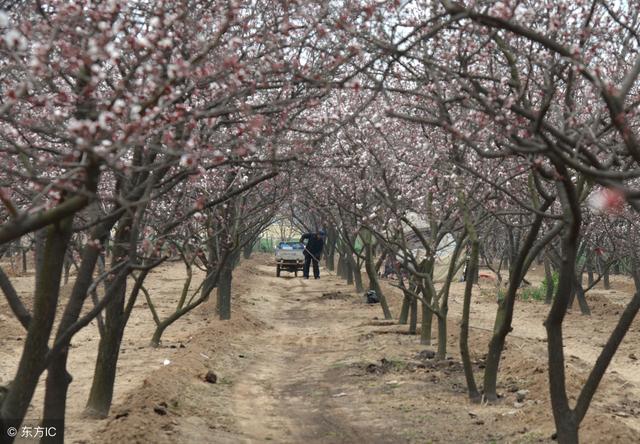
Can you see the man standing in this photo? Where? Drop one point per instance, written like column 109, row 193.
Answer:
column 312, row 252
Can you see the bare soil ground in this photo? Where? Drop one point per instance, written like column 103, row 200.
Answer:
column 308, row 361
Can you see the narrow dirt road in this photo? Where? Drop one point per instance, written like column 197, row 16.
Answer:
column 306, row 361
column 306, row 383
column 285, row 394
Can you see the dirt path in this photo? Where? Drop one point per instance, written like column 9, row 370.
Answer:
column 285, row 395
column 308, row 362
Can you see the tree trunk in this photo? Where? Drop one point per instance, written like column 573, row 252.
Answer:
column 58, row 378
column 472, row 389
column 425, row 327
column 427, row 315
column 548, row 275
column 357, row 278
column 567, row 429
column 413, row 318
column 247, row 250
column 101, row 393
column 47, row 291
column 504, row 313
column 590, row 277
column 404, row 311
column 104, row 376
column 55, row 403
column 444, row 303
column 476, row 275
column 442, row 337
column 357, row 274
column 582, row 301
column 349, row 268
column 223, row 305
column 157, row 334
column 496, row 345
column 329, row 260
column 565, row 419
column 67, row 267
column 374, row 284
column 330, row 249
column 341, row 268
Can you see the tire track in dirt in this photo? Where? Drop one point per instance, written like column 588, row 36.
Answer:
column 284, row 395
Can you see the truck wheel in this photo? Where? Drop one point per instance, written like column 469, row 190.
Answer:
column 277, row 270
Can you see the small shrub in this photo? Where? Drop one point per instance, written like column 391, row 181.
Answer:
column 533, row 293
column 539, row 293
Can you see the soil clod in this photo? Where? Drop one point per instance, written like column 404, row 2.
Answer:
column 160, row 409
column 521, row 395
column 426, row 354
column 211, row 377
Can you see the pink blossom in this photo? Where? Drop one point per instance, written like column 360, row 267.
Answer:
column 607, row 200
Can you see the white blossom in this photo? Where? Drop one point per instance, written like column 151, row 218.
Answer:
column 4, row 19
column 15, row 40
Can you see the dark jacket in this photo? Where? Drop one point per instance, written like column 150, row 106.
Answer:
column 314, row 243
